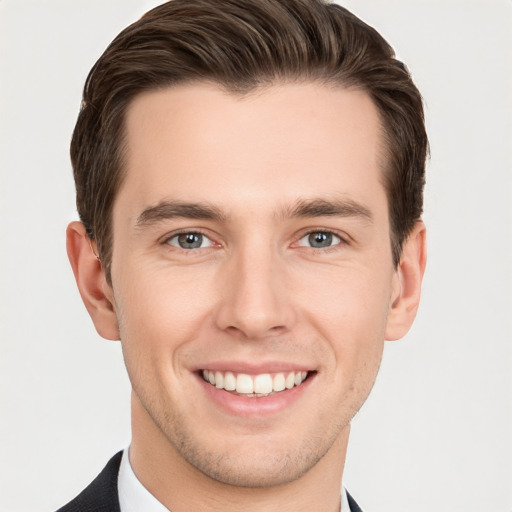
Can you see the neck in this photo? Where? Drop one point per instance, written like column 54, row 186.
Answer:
column 181, row 487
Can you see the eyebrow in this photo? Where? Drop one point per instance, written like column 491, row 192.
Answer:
column 177, row 209
column 328, row 208
column 166, row 210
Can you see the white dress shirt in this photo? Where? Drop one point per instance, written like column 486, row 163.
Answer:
column 134, row 497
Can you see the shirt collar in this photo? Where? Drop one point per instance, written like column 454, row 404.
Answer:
column 134, row 497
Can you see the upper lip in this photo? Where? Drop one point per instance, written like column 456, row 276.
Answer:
column 253, row 368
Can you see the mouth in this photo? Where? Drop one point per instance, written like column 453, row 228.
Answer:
column 254, row 386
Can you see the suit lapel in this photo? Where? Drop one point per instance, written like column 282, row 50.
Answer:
column 354, row 507
column 101, row 495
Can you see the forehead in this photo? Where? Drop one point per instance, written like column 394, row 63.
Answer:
column 281, row 143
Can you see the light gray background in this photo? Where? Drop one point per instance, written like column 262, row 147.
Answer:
column 435, row 434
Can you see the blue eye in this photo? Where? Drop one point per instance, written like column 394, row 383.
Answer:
column 319, row 240
column 190, row 240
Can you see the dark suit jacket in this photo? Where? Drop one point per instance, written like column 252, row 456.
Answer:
column 102, row 496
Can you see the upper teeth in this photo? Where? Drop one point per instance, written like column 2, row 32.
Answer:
column 261, row 384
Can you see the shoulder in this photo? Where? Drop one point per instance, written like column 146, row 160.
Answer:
column 101, row 495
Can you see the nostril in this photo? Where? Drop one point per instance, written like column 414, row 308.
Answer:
column 252, row 332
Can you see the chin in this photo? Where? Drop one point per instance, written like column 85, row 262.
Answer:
column 252, row 461
column 264, row 470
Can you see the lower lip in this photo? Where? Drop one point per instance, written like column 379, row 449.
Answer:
column 245, row 406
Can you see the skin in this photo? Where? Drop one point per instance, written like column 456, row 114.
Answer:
column 256, row 291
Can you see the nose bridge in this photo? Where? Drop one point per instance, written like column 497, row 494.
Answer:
column 254, row 302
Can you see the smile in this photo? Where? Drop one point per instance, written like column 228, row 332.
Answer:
column 260, row 385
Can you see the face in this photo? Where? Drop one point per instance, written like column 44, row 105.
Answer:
column 252, row 274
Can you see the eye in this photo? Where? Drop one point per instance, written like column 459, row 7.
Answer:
column 319, row 240
column 191, row 240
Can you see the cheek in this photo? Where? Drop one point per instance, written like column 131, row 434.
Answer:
column 348, row 307
column 159, row 301
column 158, row 313
column 350, row 297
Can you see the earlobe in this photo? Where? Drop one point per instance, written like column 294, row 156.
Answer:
column 407, row 288
column 91, row 281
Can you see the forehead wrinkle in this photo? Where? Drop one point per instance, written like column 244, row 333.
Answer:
column 321, row 207
column 171, row 209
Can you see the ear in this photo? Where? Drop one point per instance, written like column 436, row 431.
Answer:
column 90, row 277
column 407, row 284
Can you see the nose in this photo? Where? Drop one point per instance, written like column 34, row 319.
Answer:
column 255, row 301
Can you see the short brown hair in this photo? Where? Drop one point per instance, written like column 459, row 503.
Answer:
column 242, row 45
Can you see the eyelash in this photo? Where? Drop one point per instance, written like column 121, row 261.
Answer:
column 166, row 240
column 342, row 240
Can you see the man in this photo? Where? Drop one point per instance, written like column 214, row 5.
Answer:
column 249, row 181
